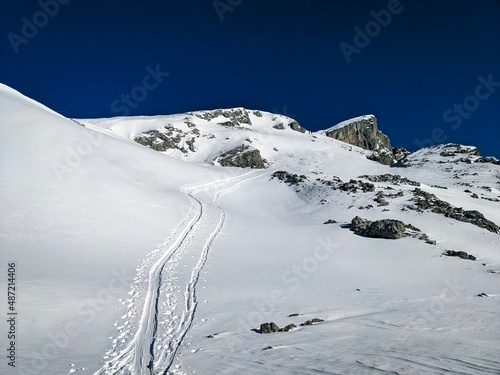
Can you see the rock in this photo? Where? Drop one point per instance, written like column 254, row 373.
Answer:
column 387, row 228
column 363, row 132
column 288, row 178
column 311, row 322
column 161, row 140
column 400, row 154
column 243, row 157
column 359, row 224
column 381, row 202
column 393, row 179
column 475, row 196
column 287, row 328
column 482, row 295
column 265, row 328
column 353, row 185
column 292, row 315
column 488, row 159
column 274, row 327
column 236, row 116
column 409, row 226
column 460, row 254
column 330, row 221
column 267, row 348
column 428, row 201
column 294, row 125
column 279, row 126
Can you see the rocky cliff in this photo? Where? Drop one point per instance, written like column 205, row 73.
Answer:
column 363, row 132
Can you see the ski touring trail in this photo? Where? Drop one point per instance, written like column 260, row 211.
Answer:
column 163, row 297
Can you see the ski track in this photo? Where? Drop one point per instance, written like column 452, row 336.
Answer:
column 138, row 357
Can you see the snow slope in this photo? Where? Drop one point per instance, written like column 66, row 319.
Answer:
column 218, row 251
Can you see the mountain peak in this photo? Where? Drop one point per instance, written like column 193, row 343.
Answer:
column 363, row 132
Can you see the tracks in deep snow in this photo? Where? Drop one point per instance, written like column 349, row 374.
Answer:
column 168, row 311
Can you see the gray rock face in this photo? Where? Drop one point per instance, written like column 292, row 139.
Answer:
column 363, row 132
column 243, row 157
column 269, row 327
column 359, row 225
column 294, row 125
column 386, row 228
column 168, row 138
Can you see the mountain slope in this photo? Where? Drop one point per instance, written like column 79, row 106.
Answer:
column 238, row 247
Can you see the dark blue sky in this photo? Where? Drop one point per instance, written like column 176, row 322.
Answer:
column 419, row 72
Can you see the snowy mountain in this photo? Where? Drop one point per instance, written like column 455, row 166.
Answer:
column 234, row 241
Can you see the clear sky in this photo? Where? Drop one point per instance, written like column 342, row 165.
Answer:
column 428, row 69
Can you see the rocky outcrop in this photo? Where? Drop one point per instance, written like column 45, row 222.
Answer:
column 460, row 254
column 427, row 201
column 288, row 178
column 363, row 132
column 243, row 157
column 235, row 116
column 294, row 125
column 311, row 322
column 352, row 186
column 273, row 327
column 386, row 228
column 167, row 138
column 393, row 179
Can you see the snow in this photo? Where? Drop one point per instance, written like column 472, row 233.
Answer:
column 150, row 253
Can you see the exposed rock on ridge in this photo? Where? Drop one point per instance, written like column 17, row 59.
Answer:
column 363, row 132
column 243, row 157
